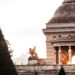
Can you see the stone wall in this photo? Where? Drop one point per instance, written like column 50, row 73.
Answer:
column 39, row 73
column 44, row 69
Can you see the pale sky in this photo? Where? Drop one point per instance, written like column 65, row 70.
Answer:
column 22, row 22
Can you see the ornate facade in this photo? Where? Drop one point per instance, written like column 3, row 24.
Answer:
column 60, row 34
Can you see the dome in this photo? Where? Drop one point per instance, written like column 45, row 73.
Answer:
column 65, row 13
column 69, row 1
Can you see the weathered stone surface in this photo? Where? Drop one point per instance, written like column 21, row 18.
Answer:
column 60, row 30
column 44, row 69
column 65, row 13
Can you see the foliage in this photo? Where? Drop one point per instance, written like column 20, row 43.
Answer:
column 9, row 48
column 6, row 65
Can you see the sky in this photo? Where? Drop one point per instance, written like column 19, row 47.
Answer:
column 22, row 22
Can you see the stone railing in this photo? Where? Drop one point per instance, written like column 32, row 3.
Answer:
column 44, row 69
column 32, row 68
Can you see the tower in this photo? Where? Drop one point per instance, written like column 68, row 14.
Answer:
column 60, row 34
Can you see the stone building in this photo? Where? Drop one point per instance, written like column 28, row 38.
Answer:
column 60, row 34
column 60, row 43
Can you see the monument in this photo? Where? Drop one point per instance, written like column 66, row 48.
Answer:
column 60, row 43
column 60, row 34
column 33, row 58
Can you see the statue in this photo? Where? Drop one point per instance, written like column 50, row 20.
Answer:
column 33, row 54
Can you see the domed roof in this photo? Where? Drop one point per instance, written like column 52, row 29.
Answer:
column 65, row 13
column 69, row 1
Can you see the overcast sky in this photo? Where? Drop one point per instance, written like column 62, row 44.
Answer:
column 22, row 22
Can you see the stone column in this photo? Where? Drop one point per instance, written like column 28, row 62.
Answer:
column 69, row 53
column 60, row 56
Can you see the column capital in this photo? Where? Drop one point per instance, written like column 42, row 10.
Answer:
column 59, row 49
column 69, row 47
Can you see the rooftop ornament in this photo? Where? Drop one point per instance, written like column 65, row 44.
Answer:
column 33, row 54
